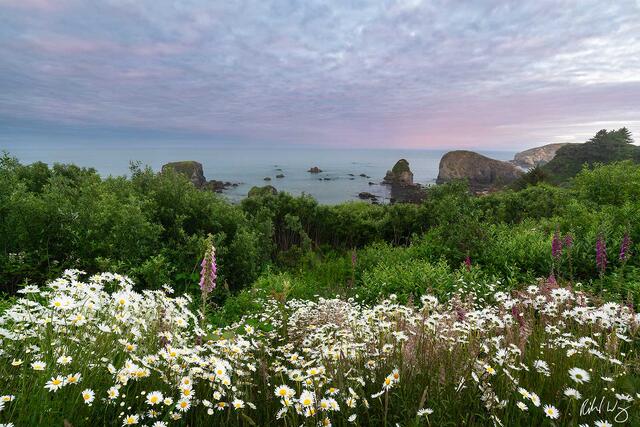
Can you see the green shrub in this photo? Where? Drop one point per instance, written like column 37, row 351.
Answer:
column 406, row 280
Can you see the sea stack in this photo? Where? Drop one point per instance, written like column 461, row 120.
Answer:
column 483, row 173
column 189, row 168
column 403, row 189
column 400, row 174
column 193, row 170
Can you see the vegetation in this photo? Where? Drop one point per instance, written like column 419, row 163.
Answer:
column 605, row 147
column 97, row 352
column 351, row 280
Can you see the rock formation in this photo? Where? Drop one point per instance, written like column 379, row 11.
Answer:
column 218, row 186
column 189, row 168
column 400, row 174
column 193, row 170
column 483, row 173
column 365, row 195
column 403, row 190
column 315, row 169
column 537, row 156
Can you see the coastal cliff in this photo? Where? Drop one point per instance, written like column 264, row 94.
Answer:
column 537, row 156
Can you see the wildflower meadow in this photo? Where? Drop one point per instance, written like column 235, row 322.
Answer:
column 93, row 350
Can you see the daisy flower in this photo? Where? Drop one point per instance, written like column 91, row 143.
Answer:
column 183, row 405
column 38, row 365
column 113, row 393
column 73, row 378
column 572, row 392
column 601, row 423
column 578, row 375
column 284, row 391
column 535, row 399
column 522, row 406
column 306, row 398
column 237, row 403
column 551, row 412
column 64, row 360
column 55, row 383
column 130, row 420
column 88, row 396
column 154, row 398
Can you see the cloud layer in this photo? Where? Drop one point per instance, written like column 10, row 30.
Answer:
column 404, row 73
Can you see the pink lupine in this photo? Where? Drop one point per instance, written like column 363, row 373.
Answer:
column 556, row 246
column 601, row 254
column 624, row 247
column 209, row 271
column 567, row 242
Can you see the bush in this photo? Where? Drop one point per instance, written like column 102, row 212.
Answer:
column 406, row 280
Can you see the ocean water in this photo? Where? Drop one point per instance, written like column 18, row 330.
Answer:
column 249, row 166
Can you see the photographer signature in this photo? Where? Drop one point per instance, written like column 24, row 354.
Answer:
column 602, row 406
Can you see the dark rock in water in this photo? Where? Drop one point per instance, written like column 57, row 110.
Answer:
column 351, row 174
column 326, row 179
column 372, row 183
column 351, row 179
column 367, row 196
column 403, row 190
column 279, row 169
column 217, row 186
column 266, row 178
column 364, row 175
column 280, row 175
column 267, row 190
column 399, row 174
column 189, row 168
column 315, row 169
column 483, row 173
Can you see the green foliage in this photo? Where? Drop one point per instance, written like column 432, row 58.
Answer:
column 533, row 177
column 611, row 184
column 153, row 227
column 406, row 280
column 150, row 226
column 604, row 147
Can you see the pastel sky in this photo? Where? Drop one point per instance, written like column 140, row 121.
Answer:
column 347, row 73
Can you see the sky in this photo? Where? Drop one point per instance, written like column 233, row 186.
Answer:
column 335, row 73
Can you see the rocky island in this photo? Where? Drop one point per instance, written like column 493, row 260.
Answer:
column 483, row 173
column 400, row 179
column 193, row 170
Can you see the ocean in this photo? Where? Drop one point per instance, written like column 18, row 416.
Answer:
column 249, row 166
